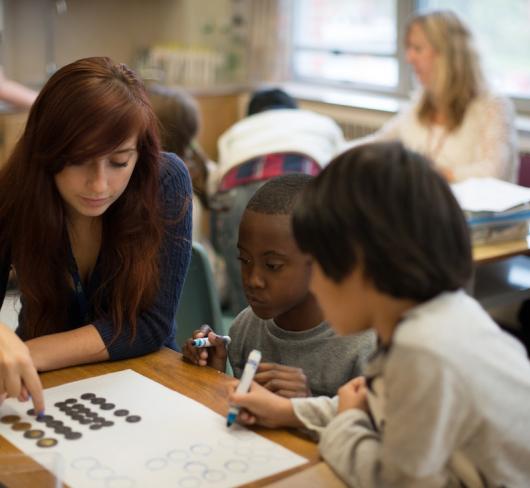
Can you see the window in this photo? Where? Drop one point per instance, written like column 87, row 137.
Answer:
column 359, row 43
column 346, row 41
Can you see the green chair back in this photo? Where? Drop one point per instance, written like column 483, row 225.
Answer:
column 199, row 302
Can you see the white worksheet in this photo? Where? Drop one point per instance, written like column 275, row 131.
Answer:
column 175, row 442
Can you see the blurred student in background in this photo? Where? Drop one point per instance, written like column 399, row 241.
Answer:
column 455, row 119
column 276, row 138
column 180, row 123
column 15, row 93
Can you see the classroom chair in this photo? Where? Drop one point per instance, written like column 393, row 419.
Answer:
column 199, row 302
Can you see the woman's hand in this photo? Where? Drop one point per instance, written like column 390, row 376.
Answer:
column 18, row 376
column 285, row 381
column 261, row 407
column 353, row 395
column 214, row 357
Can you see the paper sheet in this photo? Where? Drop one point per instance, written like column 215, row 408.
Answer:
column 489, row 195
column 178, row 442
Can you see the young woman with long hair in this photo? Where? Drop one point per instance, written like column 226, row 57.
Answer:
column 455, row 118
column 96, row 224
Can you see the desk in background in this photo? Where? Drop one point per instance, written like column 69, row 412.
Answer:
column 204, row 385
column 502, row 272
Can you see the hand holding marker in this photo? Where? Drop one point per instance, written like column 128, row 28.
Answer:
column 205, row 342
column 249, row 371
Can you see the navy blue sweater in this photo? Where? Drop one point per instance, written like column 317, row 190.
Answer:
column 155, row 326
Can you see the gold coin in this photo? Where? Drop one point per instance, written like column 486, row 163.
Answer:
column 34, row 434
column 47, row 442
column 21, row 426
column 9, row 419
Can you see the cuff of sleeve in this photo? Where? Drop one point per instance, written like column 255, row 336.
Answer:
column 315, row 413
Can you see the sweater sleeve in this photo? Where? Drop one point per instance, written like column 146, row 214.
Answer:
column 156, row 325
column 427, row 417
column 496, row 154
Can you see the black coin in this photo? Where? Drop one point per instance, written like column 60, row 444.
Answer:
column 85, row 421
column 100, row 420
column 98, row 401
column 44, row 418
column 77, row 417
column 108, row 423
column 96, row 426
column 60, row 404
column 121, row 413
column 61, row 429
column 70, row 401
column 107, row 406
column 77, row 407
column 88, row 396
column 54, row 423
column 31, row 411
column 133, row 418
column 91, row 414
column 33, row 434
column 48, row 442
column 71, row 436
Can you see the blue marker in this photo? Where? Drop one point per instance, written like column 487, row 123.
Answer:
column 205, row 342
column 249, row 371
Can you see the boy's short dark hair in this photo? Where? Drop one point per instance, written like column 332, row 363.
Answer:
column 385, row 207
column 278, row 195
column 268, row 99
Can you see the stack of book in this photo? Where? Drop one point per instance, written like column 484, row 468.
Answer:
column 495, row 210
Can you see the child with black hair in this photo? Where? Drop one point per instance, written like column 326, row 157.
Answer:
column 445, row 399
column 302, row 356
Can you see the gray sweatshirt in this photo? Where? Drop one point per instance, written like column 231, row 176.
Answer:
column 449, row 401
column 328, row 360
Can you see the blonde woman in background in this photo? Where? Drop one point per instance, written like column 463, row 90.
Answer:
column 455, row 119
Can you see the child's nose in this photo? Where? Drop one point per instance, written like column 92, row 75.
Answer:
column 255, row 280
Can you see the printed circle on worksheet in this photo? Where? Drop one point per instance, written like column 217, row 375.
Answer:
column 84, row 463
column 100, row 472
column 213, row 475
column 156, row 464
column 195, row 467
column 201, row 449
column 119, row 482
column 177, row 455
column 259, row 458
column 243, row 451
column 190, row 482
column 236, row 466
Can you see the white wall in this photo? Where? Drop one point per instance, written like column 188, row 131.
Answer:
column 35, row 34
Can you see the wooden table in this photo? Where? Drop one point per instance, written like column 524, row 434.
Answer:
column 204, row 385
column 487, row 253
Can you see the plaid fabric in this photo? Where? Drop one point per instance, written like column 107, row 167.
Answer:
column 268, row 166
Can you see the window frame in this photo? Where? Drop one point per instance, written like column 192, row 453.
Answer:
column 406, row 84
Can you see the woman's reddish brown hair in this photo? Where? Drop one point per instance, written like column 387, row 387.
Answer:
column 86, row 110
